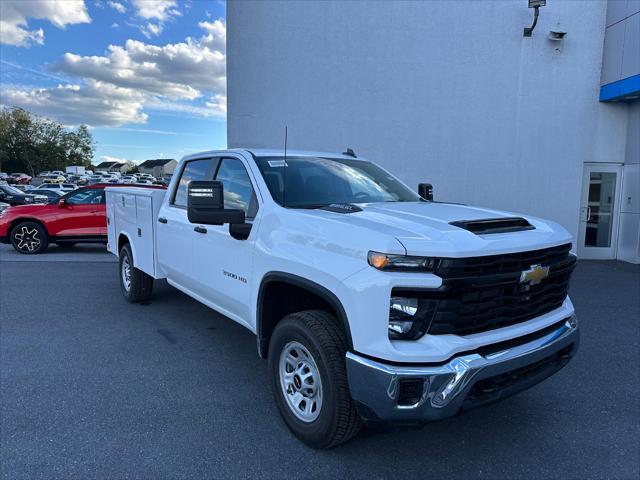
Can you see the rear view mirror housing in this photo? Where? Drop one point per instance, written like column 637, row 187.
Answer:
column 425, row 190
column 205, row 204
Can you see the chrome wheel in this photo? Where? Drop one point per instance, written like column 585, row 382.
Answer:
column 300, row 381
column 27, row 238
column 126, row 273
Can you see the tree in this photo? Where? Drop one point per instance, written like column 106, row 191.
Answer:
column 29, row 143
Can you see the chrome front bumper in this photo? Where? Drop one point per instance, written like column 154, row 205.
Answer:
column 440, row 391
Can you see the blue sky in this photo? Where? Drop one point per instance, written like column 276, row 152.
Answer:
column 148, row 76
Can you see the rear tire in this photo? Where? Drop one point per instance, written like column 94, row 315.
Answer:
column 136, row 285
column 309, row 379
column 29, row 238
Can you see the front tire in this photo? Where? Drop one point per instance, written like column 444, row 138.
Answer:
column 309, row 379
column 29, row 238
column 136, row 285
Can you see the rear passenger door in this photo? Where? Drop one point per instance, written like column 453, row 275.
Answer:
column 175, row 232
column 222, row 264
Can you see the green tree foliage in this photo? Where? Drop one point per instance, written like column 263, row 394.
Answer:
column 31, row 144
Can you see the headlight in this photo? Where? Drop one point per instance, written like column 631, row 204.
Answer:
column 410, row 318
column 28, row 200
column 383, row 261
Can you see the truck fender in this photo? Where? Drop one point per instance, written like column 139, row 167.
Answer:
column 303, row 283
column 132, row 246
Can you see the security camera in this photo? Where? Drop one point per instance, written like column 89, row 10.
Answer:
column 557, row 36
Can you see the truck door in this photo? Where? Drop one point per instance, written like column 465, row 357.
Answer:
column 175, row 232
column 222, row 264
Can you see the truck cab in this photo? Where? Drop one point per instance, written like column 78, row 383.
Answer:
column 370, row 302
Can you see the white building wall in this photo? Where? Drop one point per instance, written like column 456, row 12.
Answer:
column 629, row 234
column 444, row 92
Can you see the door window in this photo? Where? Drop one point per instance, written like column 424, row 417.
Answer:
column 602, row 189
column 90, row 196
column 203, row 169
column 238, row 192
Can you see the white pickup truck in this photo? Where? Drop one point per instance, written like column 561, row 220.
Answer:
column 371, row 302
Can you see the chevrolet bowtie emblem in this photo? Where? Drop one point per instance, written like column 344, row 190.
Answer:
column 534, row 275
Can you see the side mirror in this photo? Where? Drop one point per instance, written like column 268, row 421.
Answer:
column 425, row 190
column 205, row 204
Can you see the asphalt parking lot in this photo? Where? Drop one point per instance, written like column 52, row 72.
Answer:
column 94, row 387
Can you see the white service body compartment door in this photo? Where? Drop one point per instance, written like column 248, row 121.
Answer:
column 144, row 259
column 112, row 238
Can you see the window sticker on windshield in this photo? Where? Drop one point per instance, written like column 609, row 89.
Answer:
column 277, row 163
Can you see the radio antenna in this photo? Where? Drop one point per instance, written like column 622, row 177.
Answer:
column 284, row 174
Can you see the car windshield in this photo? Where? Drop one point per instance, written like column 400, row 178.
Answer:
column 311, row 182
column 9, row 190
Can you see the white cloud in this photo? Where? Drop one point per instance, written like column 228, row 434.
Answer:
column 161, row 10
column 157, row 12
column 14, row 14
column 95, row 103
column 218, row 103
column 179, row 71
column 151, row 29
column 117, row 6
column 206, row 110
column 216, row 38
column 185, row 78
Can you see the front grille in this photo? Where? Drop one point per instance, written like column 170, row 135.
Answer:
column 484, row 293
column 508, row 263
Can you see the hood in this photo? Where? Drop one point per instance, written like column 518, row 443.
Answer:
column 424, row 228
column 29, row 208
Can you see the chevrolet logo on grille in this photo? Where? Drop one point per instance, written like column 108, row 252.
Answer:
column 534, row 275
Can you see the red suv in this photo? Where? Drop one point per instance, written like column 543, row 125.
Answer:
column 79, row 216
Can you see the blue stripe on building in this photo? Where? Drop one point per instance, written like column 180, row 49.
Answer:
column 625, row 89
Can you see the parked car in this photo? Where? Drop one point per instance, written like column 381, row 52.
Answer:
column 78, row 216
column 3, row 176
column 54, row 178
column 24, row 188
column 65, row 187
column 77, row 179
column 52, row 195
column 11, row 195
column 369, row 300
column 44, row 173
column 127, row 179
column 18, row 178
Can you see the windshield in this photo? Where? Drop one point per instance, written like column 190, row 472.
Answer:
column 315, row 182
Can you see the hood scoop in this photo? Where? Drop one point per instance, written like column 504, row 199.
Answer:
column 494, row 225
